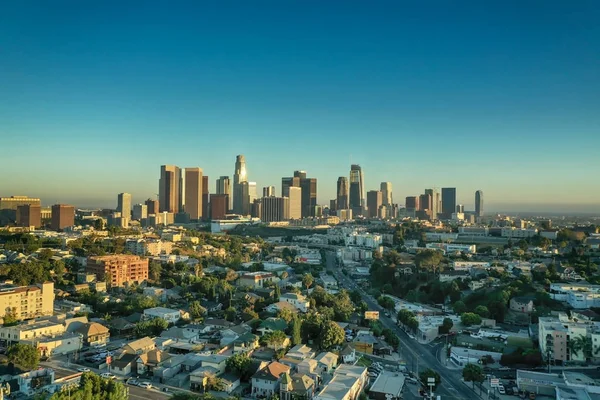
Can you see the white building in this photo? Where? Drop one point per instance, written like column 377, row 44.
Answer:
column 578, row 295
column 168, row 314
column 297, row 300
column 462, row 356
column 515, row 233
column 468, row 265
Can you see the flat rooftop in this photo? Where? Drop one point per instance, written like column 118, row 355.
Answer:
column 388, row 382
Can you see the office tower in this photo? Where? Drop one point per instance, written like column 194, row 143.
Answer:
column 374, row 201
column 152, row 206
column 300, row 174
column 425, row 202
column 344, row 215
column 275, row 209
column 124, row 205
column 257, row 208
column 219, row 204
column 448, row 202
column 224, row 187
column 205, row 198
column 342, row 193
column 252, row 194
column 193, row 192
column 357, row 201
column 120, row 269
column 63, row 216
column 295, row 202
column 8, row 207
column 435, row 202
column 240, row 176
column 412, row 203
column 460, row 209
column 309, row 195
column 288, row 182
column 479, row 203
column 268, row 191
column 332, row 206
column 29, row 215
column 140, row 212
column 27, row 302
column 386, row 190
column 169, row 189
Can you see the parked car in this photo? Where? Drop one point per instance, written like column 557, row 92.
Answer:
column 145, row 385
column 132, row 381
column 501, row 389
column 83, row 369
column 108, row 375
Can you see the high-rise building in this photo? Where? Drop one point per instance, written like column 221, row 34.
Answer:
column 332, row 206
column 140, row 212
column 224, row 187
column 252, row 194
column 300, row 174
column 240, row 175
column 219, row 204
column 275, row 209
column 205, row 198
column 8, row 207
column 342, row 193
column 152, row 206
column 412, row 203
column 479, row 203
column 63, row 216
column 357, row 201
column 193, row 192
column 295, row 202
column 448, row 202
column 460, row 209
column 374, row 201
column 29, row 215
column 120, row 269
column 309, row 195
column 386, row 190
column 257, row 208
column 435, row 202
column 268, row 191
column 288, row 182
column 425, row 202
column 169, row 189
column 124, row 205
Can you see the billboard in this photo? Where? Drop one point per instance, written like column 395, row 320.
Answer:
column 374, row 315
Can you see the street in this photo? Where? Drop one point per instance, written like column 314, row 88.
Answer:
column 418, row 357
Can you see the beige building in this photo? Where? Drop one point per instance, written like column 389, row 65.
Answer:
column 118, row 270
column 295, row 202
column 12, row 202
column 26, row 302
column 193, row 192
column 32, row 329
column 255, row 279
column 152, row 247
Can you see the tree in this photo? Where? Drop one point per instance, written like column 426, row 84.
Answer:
column 331, row 335
column 240, row 364
column 93, row 387
column 429, row 373
column 230, row 314
column 24, row 356
column 275, row 339
column 469, row 319
column 196, row 310
column 155, row 271
column 296, row 330
column 459, row 307
column 153, row 327
column 473, row 373
column 429, row 259
column 386, row 302
column 10, row 318
column 307, row 280
column 482, row 311
column 447, row 325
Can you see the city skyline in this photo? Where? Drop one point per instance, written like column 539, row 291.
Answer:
column 497, row 97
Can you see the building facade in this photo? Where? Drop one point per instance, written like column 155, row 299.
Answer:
column 118, row 270
column 448, row 202
column 240, row 176
column 25, row 302
column 29, row 215
column 295, row 202
column 386, row 192
column 356, row 190
column 224, row 187
column 169, row 189
column 275, row 209
column 374, row 201
column 219, row 205
column 193, row 192
column 124, row 205
column 63, row 216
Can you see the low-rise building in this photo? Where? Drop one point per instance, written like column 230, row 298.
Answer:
column 462, row 356
column 94, row 334
column 118, row 270
column 347, row 383
column 522, row 304
column 387, row 386
column 255, row 279
column 297, row 300
column 168, row 314
column 265, row 382
column 26, row 302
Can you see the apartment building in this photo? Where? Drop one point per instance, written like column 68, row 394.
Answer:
column 556, row 335
column 118, row 270
column 26, row 302
column 152, row 247
column 255, row 279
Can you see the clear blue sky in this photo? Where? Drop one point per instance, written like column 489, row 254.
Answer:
column 502, row 96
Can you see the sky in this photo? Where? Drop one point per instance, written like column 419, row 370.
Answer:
column 502, row 96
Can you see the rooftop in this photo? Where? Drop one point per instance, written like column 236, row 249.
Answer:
column 388, row 382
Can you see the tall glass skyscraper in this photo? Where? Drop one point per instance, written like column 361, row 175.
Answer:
column 357, row 195
column 240, row 176
column 479, row 203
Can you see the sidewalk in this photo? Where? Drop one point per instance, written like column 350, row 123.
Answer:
column 443, row 358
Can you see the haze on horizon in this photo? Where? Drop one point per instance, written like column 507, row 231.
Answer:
column 500, row 97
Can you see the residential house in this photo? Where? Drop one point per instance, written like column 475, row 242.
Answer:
column 255, row 279
column 245, row 343
column 522, row 304
column 124, row 365
column 297, row 300
column 168, row 314
column 147, row 362
column 281, row 305
column 296, row 387
column 448, row 276
column 348, row 354
column 265, row 382
column 365, row 343
column 347, row 383
column 301, row 352
column 139, row 346
column 327, row 361
column 94, row 334
column 271, row 325
column 230, row 334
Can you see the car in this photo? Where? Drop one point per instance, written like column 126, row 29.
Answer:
column 132, row 381
column 501, row 389
column 504, row 369
column 145, row 385
column 108, row 375
column 83, row 369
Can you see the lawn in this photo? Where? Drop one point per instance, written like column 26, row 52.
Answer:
column 364, row 362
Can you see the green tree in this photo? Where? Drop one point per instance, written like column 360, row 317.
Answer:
column 469, row 319
column 459, row 307
column 428, row 259
column 429, row 373
column 331, row 335
column 23, row 356
column 447, row 325
column 230, row 314
column 275, row 339
column 240, row 364
column 482, row 311
column 386, row 302
column 10, row 318
column 473, row 373
column 196, row 310
column 296, row 330
column 307, row 280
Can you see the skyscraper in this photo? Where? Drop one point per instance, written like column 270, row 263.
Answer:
column 300, row 174
column 124, row 205
column 274, row 209
column 252, row 195
column 288, row 182
column 239, row 177
column 342, row 193
column 219, row 203
column 140, row 212
column 479, row 203
column 295, row 202
column 460, row 208
column 268, row 191
column 374, row 201
column 205, row 198
column 412, row 203
column 152, row 206
column 435, row 202
column 386, row 191
column 448, row 202
column 29, row 215
column 309, row 195
column 357, row 201
column 169, row 189
column 224, row 187
column 63, row 216
column 193, row 192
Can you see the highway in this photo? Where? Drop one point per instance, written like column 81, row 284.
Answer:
column 418, row 357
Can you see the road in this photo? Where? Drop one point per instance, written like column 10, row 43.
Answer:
column 418, row 357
